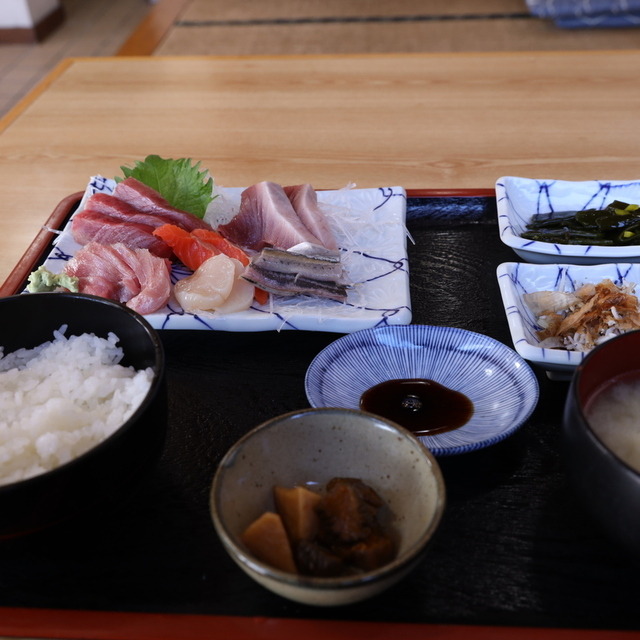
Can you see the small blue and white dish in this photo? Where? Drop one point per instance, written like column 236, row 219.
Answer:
column 500, row 384
column 519, row 199
column 516, row 279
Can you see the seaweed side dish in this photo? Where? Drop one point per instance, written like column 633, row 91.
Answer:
column 618, row 224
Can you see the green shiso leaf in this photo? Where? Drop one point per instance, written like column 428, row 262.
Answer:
column 179, row 182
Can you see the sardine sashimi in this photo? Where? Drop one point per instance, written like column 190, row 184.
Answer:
column 298, row 264
column 215, row 286
column 90, row 226
column 135, row 277
column 304, row 199
column 266, row 218
column 287, row 284
column 148, row 200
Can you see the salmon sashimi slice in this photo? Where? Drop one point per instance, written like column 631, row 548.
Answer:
column 304, row 199
column 146, row 199
column 189, row 249
column 222, row 244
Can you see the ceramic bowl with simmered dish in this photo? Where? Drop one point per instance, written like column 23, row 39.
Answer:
column 320, row 463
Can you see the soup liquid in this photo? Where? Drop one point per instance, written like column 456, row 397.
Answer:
column 422, row 406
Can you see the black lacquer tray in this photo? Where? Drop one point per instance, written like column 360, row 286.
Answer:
column 514, row 549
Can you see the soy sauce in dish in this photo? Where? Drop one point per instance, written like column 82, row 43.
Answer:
column 424, row 407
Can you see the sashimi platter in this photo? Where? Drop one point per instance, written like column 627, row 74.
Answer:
column 189, row 254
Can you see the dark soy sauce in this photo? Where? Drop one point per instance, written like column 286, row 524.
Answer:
column 424, row 407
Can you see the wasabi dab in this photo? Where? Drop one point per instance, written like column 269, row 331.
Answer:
column 42, row 280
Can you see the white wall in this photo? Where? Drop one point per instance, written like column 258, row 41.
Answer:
column 24, row 14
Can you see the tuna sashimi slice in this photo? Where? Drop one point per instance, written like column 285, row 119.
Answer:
column 146, row 199
column 154, row 275
column 109, row 205
column 102, row 272
column 135, row 277
column 304, row 199
column 266, row 218
column 91, row 226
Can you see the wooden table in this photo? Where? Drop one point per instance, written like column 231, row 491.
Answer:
column 419, row 121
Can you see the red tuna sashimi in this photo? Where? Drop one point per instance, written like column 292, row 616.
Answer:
column 146, row 199
column 189, row 249
column 266, row 218
column 120, row 210
column 304, row 199
column 132, row 276
column 154, row 275
column 90, row 226
column 222, row 244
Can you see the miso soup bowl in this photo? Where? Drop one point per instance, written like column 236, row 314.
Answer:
column 311, row 447
column 108, row 473
column 607, row 487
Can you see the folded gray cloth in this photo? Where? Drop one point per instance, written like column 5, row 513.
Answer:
column 576, row 14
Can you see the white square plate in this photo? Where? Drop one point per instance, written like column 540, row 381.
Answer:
column 516, row 279
column 519, row 199
column 370, row 229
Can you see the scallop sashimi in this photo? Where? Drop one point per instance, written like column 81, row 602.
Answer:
column 215, row 286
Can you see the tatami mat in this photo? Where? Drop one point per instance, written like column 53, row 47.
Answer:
column 260, row 27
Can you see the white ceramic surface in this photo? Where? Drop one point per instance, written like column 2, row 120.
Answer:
column 311, row 447
column 516, row 279
column 518, row 199
column 370, row 228
column 502, row 387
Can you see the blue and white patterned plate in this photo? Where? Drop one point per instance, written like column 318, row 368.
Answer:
column 369, row 225
column 503, row 388
column 516, row 279
column 519, row 199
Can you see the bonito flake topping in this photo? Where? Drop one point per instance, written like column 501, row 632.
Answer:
column 583, row 319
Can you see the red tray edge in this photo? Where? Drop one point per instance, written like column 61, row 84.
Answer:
column 25, row 265
column 97, row 625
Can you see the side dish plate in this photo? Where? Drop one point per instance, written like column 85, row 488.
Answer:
column 519, row 199
column 370, row 228
column 503, row 388
column 516, row 279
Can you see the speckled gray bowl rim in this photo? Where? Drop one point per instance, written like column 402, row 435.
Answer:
column 407, row 558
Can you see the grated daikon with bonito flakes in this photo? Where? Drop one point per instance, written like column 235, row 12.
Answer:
column 62, row 398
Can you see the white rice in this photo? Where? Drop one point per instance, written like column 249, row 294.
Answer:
column 62, row 398
column 614, row 414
